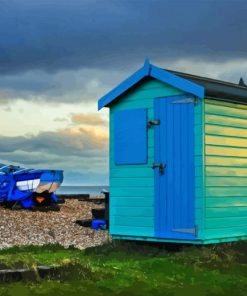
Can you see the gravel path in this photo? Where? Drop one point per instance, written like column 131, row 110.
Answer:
column 23, row 227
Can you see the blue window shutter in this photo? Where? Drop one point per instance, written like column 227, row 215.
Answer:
column 130, row 136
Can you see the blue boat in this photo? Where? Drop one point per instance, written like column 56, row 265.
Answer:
column 29, row 187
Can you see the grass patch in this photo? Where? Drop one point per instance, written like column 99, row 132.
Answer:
column 130, row 268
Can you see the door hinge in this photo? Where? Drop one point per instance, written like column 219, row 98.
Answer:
column 153, row 122
column 186, row 101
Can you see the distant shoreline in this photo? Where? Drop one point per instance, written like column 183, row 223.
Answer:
column 84, row 185
column 74, row 189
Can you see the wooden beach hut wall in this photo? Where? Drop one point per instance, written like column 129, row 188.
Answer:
column 178, row 158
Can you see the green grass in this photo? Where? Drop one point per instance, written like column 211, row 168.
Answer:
column 125, row 268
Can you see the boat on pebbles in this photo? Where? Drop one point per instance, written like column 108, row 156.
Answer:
column 29, row 188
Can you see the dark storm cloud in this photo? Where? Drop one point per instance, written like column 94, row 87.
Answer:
column 58, row 34
column 62, row 86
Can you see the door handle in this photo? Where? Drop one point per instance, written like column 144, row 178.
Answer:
column 161, row 166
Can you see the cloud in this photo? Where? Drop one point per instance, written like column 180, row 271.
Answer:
column 88, row 119
column 56, row 35
column 3, row 98
column 83, row 151
column 230, row 70
column 85, row 85
column 70, row 141
column 61, row 119
column 88, row 85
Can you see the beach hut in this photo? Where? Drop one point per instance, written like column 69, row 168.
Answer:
column 178, row 158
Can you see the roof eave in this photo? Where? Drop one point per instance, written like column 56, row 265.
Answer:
column 124, row 86
column 149, row 70
column 218, row 89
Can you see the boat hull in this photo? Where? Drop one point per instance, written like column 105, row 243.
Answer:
column 39, row 182
column 29, row 187
column 50, row 187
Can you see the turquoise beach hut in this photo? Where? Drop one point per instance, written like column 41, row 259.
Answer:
column 178, row 158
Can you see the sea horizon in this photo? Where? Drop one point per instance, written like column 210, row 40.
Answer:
column 81, row 189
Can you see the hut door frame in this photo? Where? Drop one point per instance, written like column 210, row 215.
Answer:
column 174, row 167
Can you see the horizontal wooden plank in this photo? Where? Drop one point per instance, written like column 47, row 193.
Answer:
column 140, row 96
column 225, row 141
column 150, row 112
column 149, row 84
column 225, row 161
column 226, row 222
column 150, row 154
column 223, row 202
column 150, row 143
column 224, row 103
column 131, row 201
column 150, row 151
column 133, row 211
column 198, row 181
column 198, row 216
column 132, row 192
column 226, row 171
column 198, row 171
column 198, row 130
column 226, row 212
column 198, row 111
column 198, row 160
column 198, row 120
column 225, row 151
column 213, row 129
column 198, row 149
column 226, row 111
column 226, row 191
column 198, row 191
column 152, row 84
column 132, row 171
column 132, row 182
column 149, row 164
column 132, row 221
column 114, row 166
column 199, row 202
column 226, row 181
column 142, row 102
column 133, row 231
column 226, row 121
column 199, row 140
column 225, row 233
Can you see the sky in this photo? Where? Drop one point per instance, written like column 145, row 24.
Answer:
column 57, row 58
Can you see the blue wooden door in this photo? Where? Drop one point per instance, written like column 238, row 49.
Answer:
column 174, row 184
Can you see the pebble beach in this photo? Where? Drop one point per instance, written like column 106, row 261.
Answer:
column 24, row 227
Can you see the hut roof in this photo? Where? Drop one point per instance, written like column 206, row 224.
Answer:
column 196, row 85
column 217, row 88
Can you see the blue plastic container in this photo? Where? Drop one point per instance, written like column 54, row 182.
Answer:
column 98, row 224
